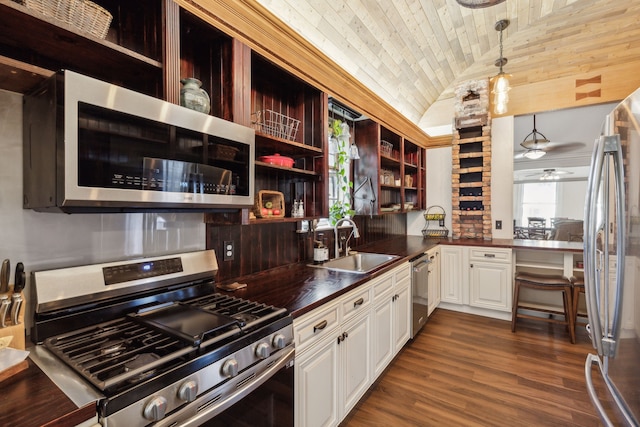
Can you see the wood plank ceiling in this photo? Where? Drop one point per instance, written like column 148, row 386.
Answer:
column 399, row 61
column 413, row 53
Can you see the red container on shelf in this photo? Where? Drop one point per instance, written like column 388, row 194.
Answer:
column 277, row 160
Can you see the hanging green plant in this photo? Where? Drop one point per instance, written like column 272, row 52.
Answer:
column 341, row 208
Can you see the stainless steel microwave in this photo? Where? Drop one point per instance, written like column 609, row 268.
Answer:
column 91, row 146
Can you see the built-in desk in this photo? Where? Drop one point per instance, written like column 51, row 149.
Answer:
column 462, row 278
column 552, row 258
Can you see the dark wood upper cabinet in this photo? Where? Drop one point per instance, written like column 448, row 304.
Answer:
column 152, row 44
column 207, row 54
column 290, row 118
column 32, row 46
column 387, row 159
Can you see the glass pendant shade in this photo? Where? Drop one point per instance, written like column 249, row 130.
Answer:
column 534, row 154
column 501, row 83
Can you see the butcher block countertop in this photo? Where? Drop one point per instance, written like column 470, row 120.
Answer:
column 30, row 398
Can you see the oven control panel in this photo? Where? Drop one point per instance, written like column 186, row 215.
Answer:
column 141, row 270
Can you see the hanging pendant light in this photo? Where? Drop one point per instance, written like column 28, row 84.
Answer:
column 478, row 4
column 500, row 82
column 534, row 142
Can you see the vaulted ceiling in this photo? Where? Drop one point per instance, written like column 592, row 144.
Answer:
column 413, row 53
column 399, row 61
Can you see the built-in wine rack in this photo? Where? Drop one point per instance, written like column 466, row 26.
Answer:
column 471, row 183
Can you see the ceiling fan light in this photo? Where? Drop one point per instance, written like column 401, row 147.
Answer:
column 534, row 154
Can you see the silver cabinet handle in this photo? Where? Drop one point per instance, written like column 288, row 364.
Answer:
column 489, row 255
column 358, row 302
column 320, row 326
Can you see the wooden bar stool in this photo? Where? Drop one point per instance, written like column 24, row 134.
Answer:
column 544, row 283
column 578, row 288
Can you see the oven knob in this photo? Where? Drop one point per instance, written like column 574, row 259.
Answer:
column 230, row 368
column 262, row 350
column 188, row 391
column 155, row 409
column 279, row 341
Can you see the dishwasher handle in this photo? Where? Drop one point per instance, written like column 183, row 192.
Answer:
column 420, row 265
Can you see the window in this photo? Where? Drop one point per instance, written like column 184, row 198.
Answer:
column 535, row 199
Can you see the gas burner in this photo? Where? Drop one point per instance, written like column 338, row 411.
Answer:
column 112, row 348
column 139, row 361
column 244, row 318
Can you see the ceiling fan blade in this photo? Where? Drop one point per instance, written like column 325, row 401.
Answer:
column 564, row 147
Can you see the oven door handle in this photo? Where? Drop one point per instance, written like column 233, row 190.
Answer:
column 227, row 401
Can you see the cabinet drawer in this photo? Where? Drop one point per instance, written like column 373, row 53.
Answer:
column 312, row 326
column 484, row 254
column 382, row 286
column 355, row 302
column 403, row 272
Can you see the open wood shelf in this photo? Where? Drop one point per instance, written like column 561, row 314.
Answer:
column 286, row 169
column 24, row 33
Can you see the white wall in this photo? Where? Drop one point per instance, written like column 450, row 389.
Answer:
column 502, row 177
column 438, row 185
column 50, row 240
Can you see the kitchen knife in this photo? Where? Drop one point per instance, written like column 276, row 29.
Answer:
column 19, row 280
column 5, row 271
column 16, row 304
column 4, row 308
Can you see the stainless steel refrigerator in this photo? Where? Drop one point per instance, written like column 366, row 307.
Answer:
column 612, row 266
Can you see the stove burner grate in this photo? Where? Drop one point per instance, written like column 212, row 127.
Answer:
column 103, row 354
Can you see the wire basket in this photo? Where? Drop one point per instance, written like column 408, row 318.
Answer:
column 82, row 14
column 430, row 234
column 225, row 152
column 434, row 213
column 275, row 124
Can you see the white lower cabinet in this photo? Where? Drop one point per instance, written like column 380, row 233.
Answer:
column 344, row 345
column 434, row 279
column 490, row 278
column 453, row 279
column 477, row 277
column 355, row 371
column 316, row 383
column 401, row 309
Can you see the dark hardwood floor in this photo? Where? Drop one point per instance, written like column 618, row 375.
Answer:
column 466, row 370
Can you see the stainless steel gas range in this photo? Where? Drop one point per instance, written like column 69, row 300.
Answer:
column 158, row 345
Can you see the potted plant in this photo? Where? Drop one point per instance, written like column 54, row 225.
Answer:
column 341, row 207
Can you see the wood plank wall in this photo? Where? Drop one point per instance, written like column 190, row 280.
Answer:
column 262, row 246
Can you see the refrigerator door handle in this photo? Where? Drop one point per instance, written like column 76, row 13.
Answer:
column 615, row 150
column 591, row 360
column 625, row 411
column 591, row 275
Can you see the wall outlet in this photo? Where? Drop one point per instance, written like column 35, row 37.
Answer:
column 498, row 225
column 228, row 251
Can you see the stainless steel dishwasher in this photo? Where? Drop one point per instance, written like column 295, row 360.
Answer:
column 420, row 292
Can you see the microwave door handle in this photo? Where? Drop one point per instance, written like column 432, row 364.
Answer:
column 614, row 148
column 591, row 275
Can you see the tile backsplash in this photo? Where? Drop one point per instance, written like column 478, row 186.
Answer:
column 53, row 240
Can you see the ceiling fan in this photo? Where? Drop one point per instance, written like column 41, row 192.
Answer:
column 537, row 145
column 550, row 174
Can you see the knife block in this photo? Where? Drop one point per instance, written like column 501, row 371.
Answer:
column 16, row 331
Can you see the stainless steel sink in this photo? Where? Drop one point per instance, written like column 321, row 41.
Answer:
column 360, row 262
